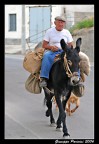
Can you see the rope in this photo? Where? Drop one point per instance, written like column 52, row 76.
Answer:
column 66, row 66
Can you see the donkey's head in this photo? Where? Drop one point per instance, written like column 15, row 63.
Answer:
column 71, row 60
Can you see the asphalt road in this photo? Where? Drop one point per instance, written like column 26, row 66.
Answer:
column 25, row 113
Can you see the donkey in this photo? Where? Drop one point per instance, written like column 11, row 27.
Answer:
column 62, row 78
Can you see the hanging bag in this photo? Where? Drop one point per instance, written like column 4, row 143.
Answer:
column 32, row 84
column 32, row 60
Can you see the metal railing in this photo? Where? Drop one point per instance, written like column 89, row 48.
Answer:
column 35, row 39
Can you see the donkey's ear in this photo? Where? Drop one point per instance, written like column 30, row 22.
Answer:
column 78, row 44
column 63, row 44
column 77, row 49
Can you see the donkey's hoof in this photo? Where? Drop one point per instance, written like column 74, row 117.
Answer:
column 59, row 129
column 53, row 124
column 66, row 136
column 47, row 113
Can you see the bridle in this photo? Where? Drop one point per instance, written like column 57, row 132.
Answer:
column 66, row 66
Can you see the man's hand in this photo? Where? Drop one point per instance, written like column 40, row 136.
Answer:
column 54, row 48
column 48, row 47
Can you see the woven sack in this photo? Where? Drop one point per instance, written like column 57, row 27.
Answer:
column 32, row 60
column 84, row 63
column 79, row 90
column 32, row 84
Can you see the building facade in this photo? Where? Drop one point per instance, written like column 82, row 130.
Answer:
column 36, row 19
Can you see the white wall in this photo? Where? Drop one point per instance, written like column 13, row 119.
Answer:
column 13, row 9
column 80, row 8
column 27, row 20
column 17, row 9
column 70, row 9
column 56, row 11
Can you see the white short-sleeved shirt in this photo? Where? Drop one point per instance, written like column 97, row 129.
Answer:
column 53, row 36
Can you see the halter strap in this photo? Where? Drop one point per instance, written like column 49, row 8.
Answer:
column 66, row 66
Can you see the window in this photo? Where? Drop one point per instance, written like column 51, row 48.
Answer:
column 12, row 22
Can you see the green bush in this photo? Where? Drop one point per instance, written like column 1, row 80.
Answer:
column 83, row 24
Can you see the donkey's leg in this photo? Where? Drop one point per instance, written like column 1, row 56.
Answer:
column 49, row 111
column 66, row 96
column 62, row 115
column 49, row 106
column 59, row 126
column 64, row 102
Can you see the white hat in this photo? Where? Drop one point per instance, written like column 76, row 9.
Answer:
column 60, row 18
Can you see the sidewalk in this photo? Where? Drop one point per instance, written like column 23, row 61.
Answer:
column 14, row 49
column 17, row 49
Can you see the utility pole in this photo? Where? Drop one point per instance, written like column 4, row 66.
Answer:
column 23, row 42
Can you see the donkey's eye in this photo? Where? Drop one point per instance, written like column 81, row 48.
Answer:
column 69, row 62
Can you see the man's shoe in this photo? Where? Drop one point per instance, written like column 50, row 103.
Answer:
column 43, row 82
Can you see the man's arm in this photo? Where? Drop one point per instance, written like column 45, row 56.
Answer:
column 47, row 46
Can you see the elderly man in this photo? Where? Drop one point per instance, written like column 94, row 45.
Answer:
column 51, row 43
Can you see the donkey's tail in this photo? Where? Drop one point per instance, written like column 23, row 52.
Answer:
column 49, row 92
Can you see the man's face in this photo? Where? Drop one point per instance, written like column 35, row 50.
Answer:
column 59, row 24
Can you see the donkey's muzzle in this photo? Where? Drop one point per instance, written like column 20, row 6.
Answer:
column 75, row 79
